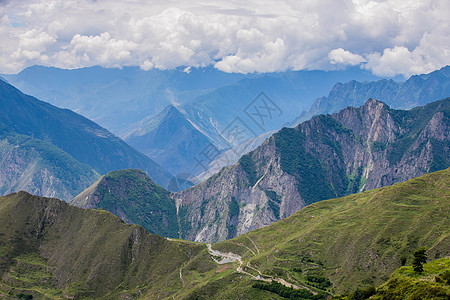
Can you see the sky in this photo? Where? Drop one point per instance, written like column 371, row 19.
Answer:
column 387, row 37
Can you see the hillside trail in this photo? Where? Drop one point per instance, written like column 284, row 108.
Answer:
column 229, row 257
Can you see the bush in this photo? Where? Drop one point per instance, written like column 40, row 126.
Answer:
column 319, row 282
column 288, row 292
column 361, row 294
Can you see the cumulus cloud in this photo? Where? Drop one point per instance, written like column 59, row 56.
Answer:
column 388, row 37
column 342, row 57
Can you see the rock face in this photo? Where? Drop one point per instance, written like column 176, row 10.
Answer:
column 329, row 156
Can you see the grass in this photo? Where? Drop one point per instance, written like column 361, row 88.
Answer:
column 358, row 239
column 406, row 284
column 339, row 245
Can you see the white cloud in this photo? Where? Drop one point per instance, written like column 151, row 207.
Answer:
column 342, row 57
column 388, row 37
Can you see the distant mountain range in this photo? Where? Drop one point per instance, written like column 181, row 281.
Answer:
column 116, row 98
column 50, row 249
column 330, row 156
column 418, row 90
column 210, row 104
column 85, row 149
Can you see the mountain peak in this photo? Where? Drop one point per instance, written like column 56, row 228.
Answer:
column 131, row 195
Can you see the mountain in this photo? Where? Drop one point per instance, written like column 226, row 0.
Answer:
column 256, row 105
column 170, row 140
column 418, row 90
column 354, row 241
column 233, row 115
column 116, row 98
column 53, row 250
column 329, row 156
column 50, row 249
column 213, row 106
column 113, row 97
column 83, row 139
column 229, row 157
column 135, row 198
column 40, row 168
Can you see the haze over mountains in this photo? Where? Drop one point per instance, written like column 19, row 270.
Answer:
column 130, row 102
column 207, row 103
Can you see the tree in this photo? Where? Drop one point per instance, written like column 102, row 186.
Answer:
column 420, row 257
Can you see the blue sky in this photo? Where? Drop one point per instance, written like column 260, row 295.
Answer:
column 387, row 37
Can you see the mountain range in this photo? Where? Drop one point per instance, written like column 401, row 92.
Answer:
column 208, row 105
column 418, row 90
column 115, row 98
column 50, row 250
column 354, row 150
column 131, row 102
column 329, row 156
column 211, row 115
column 86, row 146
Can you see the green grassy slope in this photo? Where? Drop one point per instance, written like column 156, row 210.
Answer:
column 355, row 240
column 433, row 283
column 50, row 249
column 134, row 197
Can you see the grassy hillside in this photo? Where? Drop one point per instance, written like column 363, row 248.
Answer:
column 53, row 250
column 50, row 250
column 356, row 240
column 135, row 198
column 433, row 283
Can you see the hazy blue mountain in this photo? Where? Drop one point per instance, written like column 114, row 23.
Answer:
column 115, row 98
column 416, row 91
column 83, row 139
column 169, row 139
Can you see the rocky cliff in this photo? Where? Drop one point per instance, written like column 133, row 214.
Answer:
column 329, row 156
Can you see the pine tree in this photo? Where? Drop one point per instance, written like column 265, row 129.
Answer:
column 420, row 257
